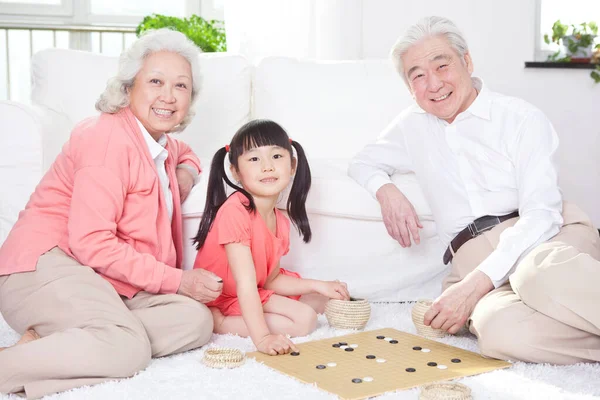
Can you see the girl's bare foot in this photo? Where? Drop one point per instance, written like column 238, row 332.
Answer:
column 218, row 318
column 28, row 336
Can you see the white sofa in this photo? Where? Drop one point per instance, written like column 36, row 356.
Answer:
column 332, row 108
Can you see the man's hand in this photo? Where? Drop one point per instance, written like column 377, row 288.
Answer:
column 451, row 310
column 185, row 181
column 399, row 215
column 200, row 285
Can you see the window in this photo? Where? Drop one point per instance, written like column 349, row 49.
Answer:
column 568, row 12
column 101, row 26
column 119, row 7
column 35, row 7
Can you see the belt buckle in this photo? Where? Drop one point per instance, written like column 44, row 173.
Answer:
column 473, row 229
column 486, row 225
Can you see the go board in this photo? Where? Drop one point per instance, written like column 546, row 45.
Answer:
column 366, row 364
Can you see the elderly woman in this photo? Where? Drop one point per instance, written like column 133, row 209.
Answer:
column 91, row 271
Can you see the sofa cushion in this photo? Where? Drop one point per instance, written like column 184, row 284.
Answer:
column 332, row 108
column 20, row 161
column 332, row 193
column 69, row 82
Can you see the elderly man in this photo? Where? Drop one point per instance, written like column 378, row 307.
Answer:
column 525, row 267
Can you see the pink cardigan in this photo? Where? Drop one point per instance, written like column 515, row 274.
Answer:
column 101, row 202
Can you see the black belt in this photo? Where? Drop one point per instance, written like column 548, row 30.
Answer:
column 475, row 229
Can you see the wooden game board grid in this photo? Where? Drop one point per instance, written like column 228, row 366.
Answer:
column 388, row 376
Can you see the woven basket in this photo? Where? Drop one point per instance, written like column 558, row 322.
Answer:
column 418, row 314
column 344, row 314
column 223, row 358
column 445, row 391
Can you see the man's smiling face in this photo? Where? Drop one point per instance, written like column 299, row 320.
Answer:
column 439, row 79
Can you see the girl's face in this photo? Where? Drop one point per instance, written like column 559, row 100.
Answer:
column 265, row 171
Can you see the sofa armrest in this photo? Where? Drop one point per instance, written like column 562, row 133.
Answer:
column 20, row 159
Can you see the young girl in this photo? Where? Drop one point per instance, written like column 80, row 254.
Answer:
column 242, row 238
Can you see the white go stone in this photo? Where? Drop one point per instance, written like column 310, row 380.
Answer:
column 380, row 360
column 367, row 379
column 425, row 350
column 388, row 339
column 354, row 345
column 344, row 347
column 442, row 366
column 331, row 364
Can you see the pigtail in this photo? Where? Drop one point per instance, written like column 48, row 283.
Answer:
column 215, row 196
column 251, row 206
column 296, row 205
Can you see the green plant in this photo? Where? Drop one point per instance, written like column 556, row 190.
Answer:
column 580, row 37
column 208, row 35
column 573, row 37
column 595, row 74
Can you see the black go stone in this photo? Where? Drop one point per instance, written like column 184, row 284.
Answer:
column 349, row 349
column 380, row 337
column 371, row 357
column 455, row 360
column 417, row 348
column 343, row 344
column 393, row 341
column 294, row 353
column 335, row 345
column 410, row 370
column 321, row 367
column 432, row 364
column 357, row 380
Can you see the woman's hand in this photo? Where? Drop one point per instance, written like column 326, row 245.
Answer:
column 275, row 344
column 200, row 285
column 333, row 289
column 185, row 181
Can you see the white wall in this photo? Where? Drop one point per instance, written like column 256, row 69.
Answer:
column 501, row 38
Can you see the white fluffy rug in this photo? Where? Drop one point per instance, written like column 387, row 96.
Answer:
column 185, row 377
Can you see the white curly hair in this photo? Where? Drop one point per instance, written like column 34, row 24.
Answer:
column 423, row 29
column 115, row 96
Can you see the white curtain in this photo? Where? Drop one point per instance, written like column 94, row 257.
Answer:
column 317, row 29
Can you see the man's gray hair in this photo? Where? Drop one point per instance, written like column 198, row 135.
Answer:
column 131, row 61
column 425, row 28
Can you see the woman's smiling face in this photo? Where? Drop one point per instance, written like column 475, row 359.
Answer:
column 162, row 92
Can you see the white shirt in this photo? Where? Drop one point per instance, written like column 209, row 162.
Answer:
column 493, row 159
column 159, row 154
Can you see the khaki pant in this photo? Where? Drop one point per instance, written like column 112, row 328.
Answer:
column 89, row 334
column 548, row 311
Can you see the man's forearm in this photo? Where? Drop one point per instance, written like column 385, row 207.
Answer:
column 481, row 283
column 514, row 241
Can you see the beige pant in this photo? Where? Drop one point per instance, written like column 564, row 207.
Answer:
column 89, row 334
column 548, row 312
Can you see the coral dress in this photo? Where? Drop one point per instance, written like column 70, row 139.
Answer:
column 235, row 224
